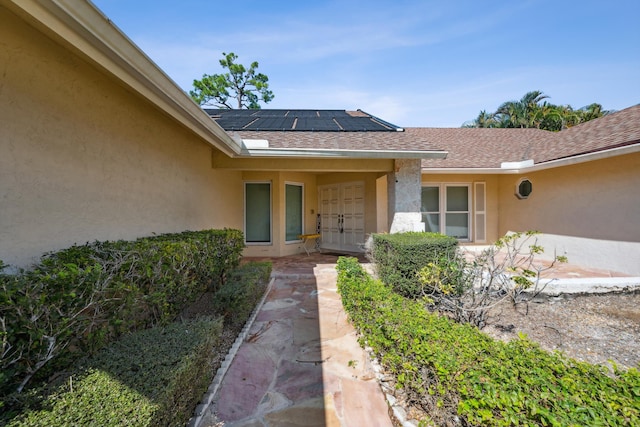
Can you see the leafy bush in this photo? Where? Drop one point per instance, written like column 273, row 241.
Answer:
column 399, row 257
column 460, row 376
column 78, row 299
column 149, row 378
column 467, row 286
column 242, row 290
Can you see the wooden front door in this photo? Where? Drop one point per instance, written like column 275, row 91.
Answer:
column 342, row 216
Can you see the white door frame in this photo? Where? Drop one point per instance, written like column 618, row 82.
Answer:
column 341, row 209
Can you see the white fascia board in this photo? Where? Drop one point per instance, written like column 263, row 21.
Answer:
column 90, row 33
column 341, row 153
column 589, row 157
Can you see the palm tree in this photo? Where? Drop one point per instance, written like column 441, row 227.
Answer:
column 521, row 114
column 528, row 112
column 592, row 111
column 484, row 120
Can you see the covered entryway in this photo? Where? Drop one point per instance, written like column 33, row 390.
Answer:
column 341, row 210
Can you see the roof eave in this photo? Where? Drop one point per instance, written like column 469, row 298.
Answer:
column 91, row 34
column 567, row 161
column 343, row 153
column 587, row 157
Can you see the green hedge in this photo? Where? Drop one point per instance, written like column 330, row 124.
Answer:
column 147, row 378
column 241, row 292
column 78, row 299
column 153, row 377
column 400, row 256
column 452, row 369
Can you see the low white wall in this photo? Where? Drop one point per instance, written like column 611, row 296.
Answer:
column 622, row 257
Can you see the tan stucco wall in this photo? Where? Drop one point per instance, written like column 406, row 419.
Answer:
column 491, row 188
column 589, row 212
column 84, row 159
column 597, row 200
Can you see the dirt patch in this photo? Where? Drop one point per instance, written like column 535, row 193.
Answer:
column 591, row 328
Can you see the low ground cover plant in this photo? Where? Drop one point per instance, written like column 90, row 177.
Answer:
column 460, row 376
column 152, row 377
column 241, row 292
column 76, row 300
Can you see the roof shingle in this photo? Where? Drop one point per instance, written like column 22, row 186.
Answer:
column 472, row 147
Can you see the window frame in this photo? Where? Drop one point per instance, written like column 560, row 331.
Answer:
column 442, row 200
column 521, row 195
column 294, row 184
column 258, row 243
column 480, row 211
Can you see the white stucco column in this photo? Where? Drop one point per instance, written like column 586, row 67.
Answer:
column 404, row 186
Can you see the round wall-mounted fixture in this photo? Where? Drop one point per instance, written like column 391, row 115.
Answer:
column 523, row 188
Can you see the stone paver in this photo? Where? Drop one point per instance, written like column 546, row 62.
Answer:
column 300, row 363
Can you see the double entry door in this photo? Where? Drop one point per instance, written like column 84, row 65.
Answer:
column 341, row 212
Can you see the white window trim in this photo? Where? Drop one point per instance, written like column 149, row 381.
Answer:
column 270, row 242
column 477, row 214
column 298, row 184
column 443, row 207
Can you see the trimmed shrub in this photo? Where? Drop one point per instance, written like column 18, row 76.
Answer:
column 460, row 376
column 153, row 377
column 78, row 299
column 240, row 293
column 399, row 257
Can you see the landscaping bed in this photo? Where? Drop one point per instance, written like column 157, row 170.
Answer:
column 122, row 333
column 452, row 374
column 149, row 378
column 153, row 377
column 593, row 328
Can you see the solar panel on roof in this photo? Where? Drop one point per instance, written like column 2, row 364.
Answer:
column 303, row 113
column 334, row 113
column 272, row 123
column 361, row 124
column 303, row 120
column 316, row 124
column 234, row 123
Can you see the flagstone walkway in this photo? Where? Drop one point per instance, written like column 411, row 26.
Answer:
column 300, row 363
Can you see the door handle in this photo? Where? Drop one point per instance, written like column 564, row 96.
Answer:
column 341, row 223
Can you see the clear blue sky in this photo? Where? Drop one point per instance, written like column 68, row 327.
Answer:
column 413, row 63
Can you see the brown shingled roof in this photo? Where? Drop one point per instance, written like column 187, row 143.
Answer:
column 344, row 140
column 481, row 148
column 471, row 147
column 614, row 130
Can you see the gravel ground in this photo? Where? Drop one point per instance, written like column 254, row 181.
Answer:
column 590, row 328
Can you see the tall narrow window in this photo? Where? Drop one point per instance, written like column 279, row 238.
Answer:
column 293, row 212
column 457, row 212
column 431, row 208
column 257, row 212
column 480, row 212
